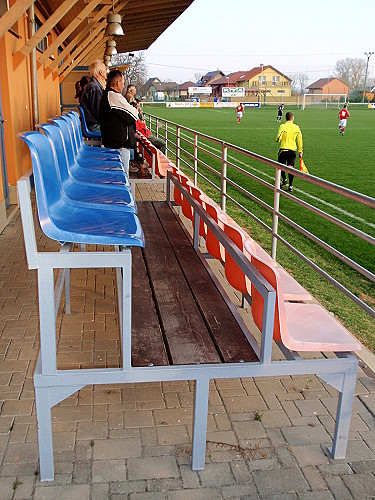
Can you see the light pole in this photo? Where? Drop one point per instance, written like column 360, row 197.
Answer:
column 368, row 54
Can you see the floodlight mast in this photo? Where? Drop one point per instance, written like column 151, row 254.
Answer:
column 368, row 54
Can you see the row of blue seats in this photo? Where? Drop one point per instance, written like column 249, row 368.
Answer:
column 83, row 194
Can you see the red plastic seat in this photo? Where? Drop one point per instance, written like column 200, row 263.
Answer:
column 235, row 276
column 197, row 193
column 300, row 326
column 292, row 289
column 214, row 248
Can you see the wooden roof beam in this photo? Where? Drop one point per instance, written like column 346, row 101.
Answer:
column 142, row 5
column 87, row 41
column 47, row 26
column 90, row 50
column 68, row 30
column 13, row 14
column 100, row 15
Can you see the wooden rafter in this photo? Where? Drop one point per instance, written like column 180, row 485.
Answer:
column 90, row 50
column 78, row 39
column 13, row 14
column 47, row 26
column 97, row 53
column 97, row 33
column 68, row 30
column 54, row 64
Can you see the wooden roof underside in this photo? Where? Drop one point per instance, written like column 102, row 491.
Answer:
column 143, row 21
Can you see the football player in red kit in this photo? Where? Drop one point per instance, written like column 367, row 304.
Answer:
column 343, row 116
column 239, row 111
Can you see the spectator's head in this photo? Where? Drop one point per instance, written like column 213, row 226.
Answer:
column 115, row 80
column 99, row 71
column 80, row 86
column 289, row 116
column 131, row 90
column 78, row 89
column 83, row 82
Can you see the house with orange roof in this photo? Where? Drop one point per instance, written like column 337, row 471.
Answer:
column 262, row 80
column 330, row 85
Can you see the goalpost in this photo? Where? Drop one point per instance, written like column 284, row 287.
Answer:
column 324, row 100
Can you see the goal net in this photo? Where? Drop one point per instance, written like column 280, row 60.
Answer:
column 324, row 100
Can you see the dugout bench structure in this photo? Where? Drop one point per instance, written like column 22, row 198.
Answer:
column 176, row 322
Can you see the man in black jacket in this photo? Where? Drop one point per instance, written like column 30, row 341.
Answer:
column 117, row 118
column 92, row 94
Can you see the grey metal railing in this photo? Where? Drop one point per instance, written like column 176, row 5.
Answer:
column 180, row 139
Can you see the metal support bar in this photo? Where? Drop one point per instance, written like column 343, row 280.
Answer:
column 223, row 188
column 275, row 218
column 200, row 423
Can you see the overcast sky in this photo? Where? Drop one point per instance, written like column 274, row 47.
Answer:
column 236, row 35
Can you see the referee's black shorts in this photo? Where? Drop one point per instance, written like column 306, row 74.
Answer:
column 287, row 157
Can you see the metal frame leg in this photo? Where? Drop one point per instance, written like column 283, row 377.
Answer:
column 344, row 413
column 198, row 455
column 43, row 412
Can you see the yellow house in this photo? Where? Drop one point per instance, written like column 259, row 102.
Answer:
column 267, row 80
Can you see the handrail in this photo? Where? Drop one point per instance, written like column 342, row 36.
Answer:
column 200, row 142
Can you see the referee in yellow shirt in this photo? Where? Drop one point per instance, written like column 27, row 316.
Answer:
column 289, row 136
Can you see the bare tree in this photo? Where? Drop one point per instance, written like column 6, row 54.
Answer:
column 351, row 71
column 136, row 74
column 299, row 82
column 197, row 76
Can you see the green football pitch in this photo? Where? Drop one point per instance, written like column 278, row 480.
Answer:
column 347, row 161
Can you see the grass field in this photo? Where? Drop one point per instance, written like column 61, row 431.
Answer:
column 347, row 161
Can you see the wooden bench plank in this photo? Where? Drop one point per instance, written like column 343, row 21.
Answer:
column 147, row 339
column 186, row 335
column 227, row 334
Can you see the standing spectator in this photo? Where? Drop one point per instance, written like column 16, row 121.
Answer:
column 280, row 110
column 343, row 117
column 142, row 129
column 130, row 94
column 80, row 86
column 239, row 110
column 117, row 118
column 289, row 136
column 92, row 94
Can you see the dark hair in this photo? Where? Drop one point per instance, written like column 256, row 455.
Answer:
column 84, row 81
column 80, row 86
column 289, row 116
column 78, row 89
column 113, row 76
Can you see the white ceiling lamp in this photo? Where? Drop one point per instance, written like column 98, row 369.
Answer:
column 110, row 48
column 107, row 60
column 114, row 27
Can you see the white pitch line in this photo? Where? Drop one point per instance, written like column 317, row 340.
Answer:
column 344, row 212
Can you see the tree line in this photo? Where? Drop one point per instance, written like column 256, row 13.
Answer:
column 350, row 70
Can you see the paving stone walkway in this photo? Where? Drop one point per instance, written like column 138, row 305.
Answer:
column 266, row 438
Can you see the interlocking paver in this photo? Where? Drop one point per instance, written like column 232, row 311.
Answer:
column 108, row 449
column 108, row 470
column 149, row 468
column 277, row 482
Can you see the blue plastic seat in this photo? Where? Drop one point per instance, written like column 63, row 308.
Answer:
column 84, row 173
column 86, row 132
column 106, row 152
column 64, row 222
column 82, row 194
column 72, row 119
column 85, row 159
